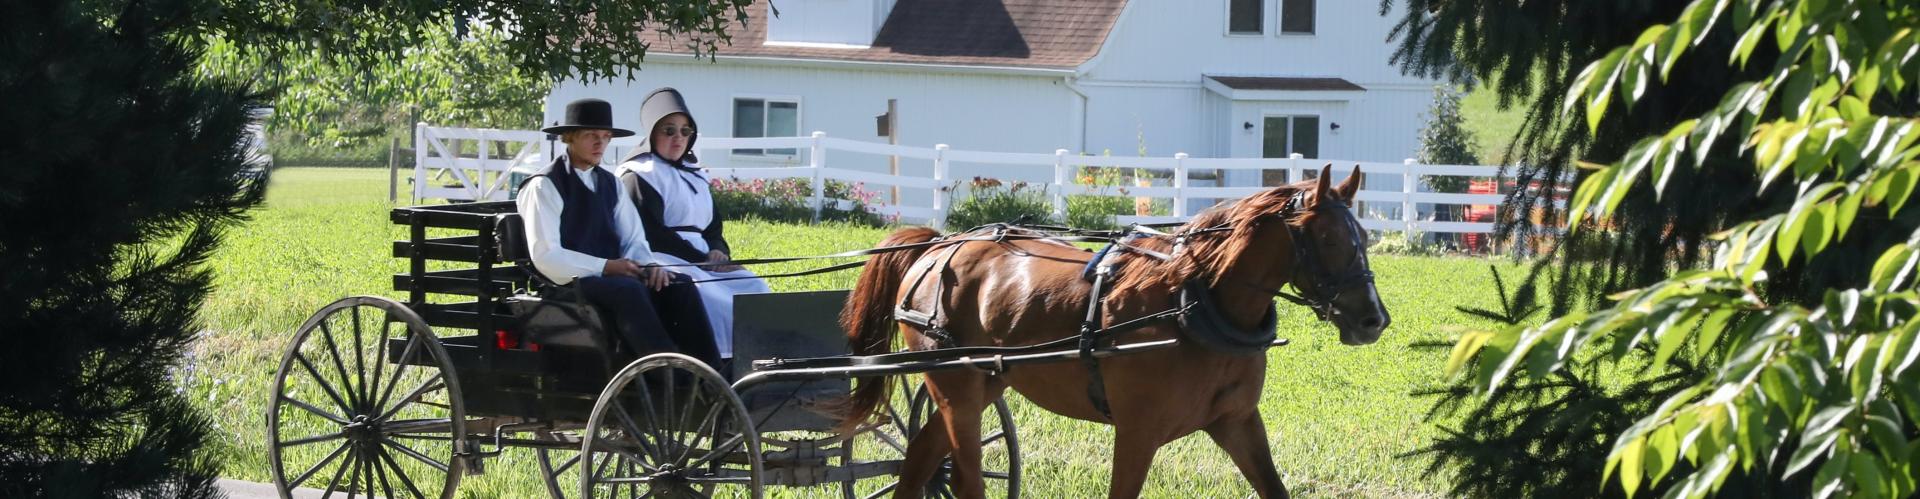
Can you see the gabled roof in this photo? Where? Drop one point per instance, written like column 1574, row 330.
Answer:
column 1050, row 34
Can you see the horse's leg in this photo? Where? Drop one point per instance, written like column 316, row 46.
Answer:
column 1245, row 439
column 925, row 449
column 961, row 397
column 1133, row 453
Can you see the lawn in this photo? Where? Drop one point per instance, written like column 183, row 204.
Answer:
column 1340, row 418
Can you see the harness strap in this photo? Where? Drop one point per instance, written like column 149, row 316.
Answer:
column 1096, row 384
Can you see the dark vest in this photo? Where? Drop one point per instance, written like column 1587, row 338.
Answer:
column 586, row 218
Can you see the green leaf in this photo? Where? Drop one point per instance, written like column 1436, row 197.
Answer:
column 1866, row 83
column 1819, row 230
column 1793, row 97
column 1630, row 467
column 1675, row 43
column 1465, row 349
column 1743, row 48
column 1852, row 108
column 1812, row 447
column 1886, row 434
column 1797, row 220
column 1900, row 188
column 1584, row 195
column 1710, row 331
column 1827, row 481
column 1891, row 269
column 1845, row 209
column 1608, row 72
column 1869, row 478
column 1661, row 449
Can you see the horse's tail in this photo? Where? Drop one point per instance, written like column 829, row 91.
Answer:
column 868, row 318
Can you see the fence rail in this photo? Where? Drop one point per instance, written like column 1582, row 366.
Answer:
column 465, row 163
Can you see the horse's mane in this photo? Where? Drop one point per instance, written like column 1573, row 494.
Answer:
column 1207, row 254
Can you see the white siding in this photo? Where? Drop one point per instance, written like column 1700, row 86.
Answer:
column 1155, row 62
column 1179, row 41
column 842, row 22
column 982, row 112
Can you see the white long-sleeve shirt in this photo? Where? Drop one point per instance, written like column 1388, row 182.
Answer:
column 539, row 205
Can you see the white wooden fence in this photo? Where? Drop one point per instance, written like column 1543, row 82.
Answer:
column 440, row 171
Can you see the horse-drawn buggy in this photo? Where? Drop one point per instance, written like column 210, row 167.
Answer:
column 379, row 397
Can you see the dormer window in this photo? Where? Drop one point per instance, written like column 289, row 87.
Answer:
column 1296, row 17
column 1244, row 17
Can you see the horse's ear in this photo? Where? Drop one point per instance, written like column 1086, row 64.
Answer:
column 1350, row 185
column 1322, row 186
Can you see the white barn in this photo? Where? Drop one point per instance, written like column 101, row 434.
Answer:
column 1220, row 78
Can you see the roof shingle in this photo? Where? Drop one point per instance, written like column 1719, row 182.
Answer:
column 1057, row 34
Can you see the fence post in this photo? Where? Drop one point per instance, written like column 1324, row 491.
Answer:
column 1407, row 179
column 1293, row 168
column 1060, row 184
column 816, row 159
column 1180, row 184
column 393, row 169
column 940, row 191
column 419, row 159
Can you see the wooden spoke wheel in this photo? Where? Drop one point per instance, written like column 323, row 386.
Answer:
column 366, row 403
column 668, row 426
column 1000, row 447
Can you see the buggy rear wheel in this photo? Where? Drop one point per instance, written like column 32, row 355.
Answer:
column 363, row 407
column 669, row 426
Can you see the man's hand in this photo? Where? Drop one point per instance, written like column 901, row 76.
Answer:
column 717, row 261
column 656, row 278
column 621, row 267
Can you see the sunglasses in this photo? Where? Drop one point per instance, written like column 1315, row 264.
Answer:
column 671, row 131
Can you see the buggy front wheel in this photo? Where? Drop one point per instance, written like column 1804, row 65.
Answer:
column 669, row 426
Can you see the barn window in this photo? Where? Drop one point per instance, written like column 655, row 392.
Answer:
column 1296, row 16
column 755, row 117
column 1244, row 17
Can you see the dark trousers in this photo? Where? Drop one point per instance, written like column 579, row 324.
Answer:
column 670, row 320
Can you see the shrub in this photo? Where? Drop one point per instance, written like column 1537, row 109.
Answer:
column 785, row 200
column 990, row 201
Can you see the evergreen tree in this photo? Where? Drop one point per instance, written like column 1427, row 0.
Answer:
column 1445, row 140
column 124, row 172
column 126, row 167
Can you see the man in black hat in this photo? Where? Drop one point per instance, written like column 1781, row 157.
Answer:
column 581, row 229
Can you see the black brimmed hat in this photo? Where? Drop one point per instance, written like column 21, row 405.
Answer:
column 588, row 114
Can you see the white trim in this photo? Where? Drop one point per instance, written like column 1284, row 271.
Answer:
column 910, row 67
column 1140, row 84
column 799, row 123
column 1226, row 24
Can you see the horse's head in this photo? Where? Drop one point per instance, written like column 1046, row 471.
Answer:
column 1330, row 259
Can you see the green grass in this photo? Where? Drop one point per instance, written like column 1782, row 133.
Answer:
column 1492, row 127
column 1339, row 417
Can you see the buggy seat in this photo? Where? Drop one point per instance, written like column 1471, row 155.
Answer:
column 549, row 313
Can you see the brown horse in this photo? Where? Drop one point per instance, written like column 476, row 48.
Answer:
column 1025, row 291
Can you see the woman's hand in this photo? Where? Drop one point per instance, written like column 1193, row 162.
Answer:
column 717, row 261
column 654, row 277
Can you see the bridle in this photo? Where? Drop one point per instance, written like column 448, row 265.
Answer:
column 1327, row 283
